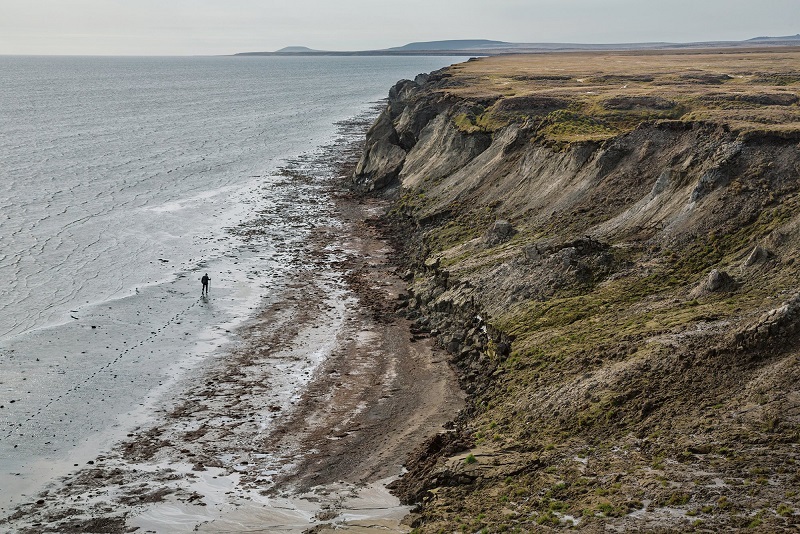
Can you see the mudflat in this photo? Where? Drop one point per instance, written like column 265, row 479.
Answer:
column 298, row 425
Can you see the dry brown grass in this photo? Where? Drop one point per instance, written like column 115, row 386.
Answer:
column 596, row 95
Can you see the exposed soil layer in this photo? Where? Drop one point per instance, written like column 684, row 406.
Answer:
column 610, row 258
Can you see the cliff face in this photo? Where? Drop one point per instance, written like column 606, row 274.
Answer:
column 618, row 297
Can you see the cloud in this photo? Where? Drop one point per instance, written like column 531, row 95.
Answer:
column 220, row 27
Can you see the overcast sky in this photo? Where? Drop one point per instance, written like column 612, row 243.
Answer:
column 179, row 27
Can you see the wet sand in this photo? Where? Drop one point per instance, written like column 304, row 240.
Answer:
column 296, row 427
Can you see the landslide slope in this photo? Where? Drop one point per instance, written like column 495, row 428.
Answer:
column 607, row 247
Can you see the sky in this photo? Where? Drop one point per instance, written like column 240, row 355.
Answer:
column 212, row 27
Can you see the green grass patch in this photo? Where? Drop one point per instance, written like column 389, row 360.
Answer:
column 566, row 125
column 784, row 510
column 483, row 122
column 678, row 499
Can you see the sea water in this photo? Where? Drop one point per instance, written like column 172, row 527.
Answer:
column 121, row 180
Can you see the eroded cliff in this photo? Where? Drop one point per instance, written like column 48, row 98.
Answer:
column 606, row 245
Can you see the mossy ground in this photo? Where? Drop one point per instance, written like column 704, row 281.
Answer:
column 608, row 94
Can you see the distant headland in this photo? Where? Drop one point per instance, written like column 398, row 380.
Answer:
column 486, row 47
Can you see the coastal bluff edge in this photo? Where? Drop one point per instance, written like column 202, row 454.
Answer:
column 605, row 245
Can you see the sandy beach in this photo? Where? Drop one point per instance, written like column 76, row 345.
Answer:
column 299, row 426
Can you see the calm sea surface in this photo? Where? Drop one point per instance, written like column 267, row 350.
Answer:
column 118, row 180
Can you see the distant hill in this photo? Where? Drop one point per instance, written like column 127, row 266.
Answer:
column 455, row 44
column 486, row 47
column 295, row 50
column 784, row 38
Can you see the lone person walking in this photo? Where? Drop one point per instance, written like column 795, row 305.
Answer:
column 205, row 280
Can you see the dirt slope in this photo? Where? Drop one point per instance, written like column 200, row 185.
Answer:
column 607, row 247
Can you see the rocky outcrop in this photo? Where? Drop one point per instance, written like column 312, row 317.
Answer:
column 383, row 156
column 717, row 176
column 398, row 129
column 758, row 255
column 500, row 232
column 715, row 281
column 774, row 326
column 426, row 459
column 442, row 150
column 445, row 310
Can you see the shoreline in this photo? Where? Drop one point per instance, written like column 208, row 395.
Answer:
column 127, row 356
column 245, row 440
